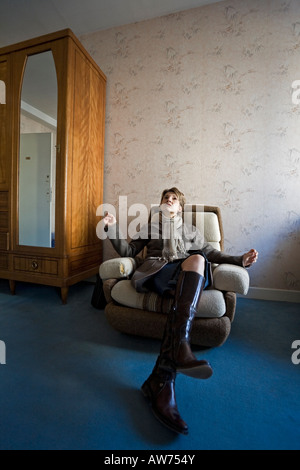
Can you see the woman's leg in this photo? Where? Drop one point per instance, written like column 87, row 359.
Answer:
column 176, row 355
column 194, row 263
column 175, row 350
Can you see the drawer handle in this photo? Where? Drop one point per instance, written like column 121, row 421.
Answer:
column 34, row 265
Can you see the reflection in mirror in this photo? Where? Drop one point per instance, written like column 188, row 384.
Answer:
column 37, row 164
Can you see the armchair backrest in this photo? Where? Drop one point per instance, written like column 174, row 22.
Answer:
column 208, row 220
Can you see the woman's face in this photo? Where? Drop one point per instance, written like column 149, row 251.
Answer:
column 170, row 205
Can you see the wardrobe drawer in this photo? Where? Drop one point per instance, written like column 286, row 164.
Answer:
column 36, row 265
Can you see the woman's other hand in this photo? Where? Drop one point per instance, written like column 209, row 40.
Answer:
column 249, row 258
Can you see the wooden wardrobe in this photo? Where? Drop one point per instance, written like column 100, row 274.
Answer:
column 52, row 120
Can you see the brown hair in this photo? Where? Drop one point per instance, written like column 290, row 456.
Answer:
column 178, row 193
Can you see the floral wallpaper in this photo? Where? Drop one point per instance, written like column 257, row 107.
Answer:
column 202, row 100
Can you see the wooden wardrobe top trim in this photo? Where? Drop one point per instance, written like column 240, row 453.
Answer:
column 46, row 39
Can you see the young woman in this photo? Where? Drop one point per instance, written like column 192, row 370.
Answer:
column 177, row 263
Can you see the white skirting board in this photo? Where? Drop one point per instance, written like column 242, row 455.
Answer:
column 281, row 295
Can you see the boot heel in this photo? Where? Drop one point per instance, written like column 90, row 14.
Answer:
column 200, row 372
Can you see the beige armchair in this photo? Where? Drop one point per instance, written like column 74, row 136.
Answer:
column 144, row 315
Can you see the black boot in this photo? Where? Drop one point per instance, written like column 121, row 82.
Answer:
column 159, row 390
column 176, row 351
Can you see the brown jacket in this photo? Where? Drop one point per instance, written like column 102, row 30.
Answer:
column 151, row 262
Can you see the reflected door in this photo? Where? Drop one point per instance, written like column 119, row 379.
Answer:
column 34, row 183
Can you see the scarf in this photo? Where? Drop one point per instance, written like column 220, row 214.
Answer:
column 171, row 232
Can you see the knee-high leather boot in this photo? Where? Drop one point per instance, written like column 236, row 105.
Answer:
column 159, row 390
column 176, row 355
column 176, row 351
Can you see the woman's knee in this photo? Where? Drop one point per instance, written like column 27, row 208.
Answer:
column 194, row 263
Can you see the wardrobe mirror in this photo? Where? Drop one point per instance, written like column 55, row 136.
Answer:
column 37, row 157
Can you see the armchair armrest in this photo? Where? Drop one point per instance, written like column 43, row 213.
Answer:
column 117, row 268
column 231, row 278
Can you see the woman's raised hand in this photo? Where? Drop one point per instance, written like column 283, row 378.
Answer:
column 109, row 219
column 250, row 257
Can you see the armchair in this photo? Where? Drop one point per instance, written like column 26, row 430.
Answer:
column 144, row 315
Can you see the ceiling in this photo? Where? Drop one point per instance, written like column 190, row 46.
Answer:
column 26, row 19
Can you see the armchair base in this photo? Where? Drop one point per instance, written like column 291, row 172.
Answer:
column 206, row 332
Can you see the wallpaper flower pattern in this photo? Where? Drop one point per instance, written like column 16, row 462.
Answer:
column 202, row 100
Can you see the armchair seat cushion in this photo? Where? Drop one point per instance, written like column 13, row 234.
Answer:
column 212, row 303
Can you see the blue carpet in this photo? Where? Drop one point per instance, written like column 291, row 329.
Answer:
column 72, row 382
